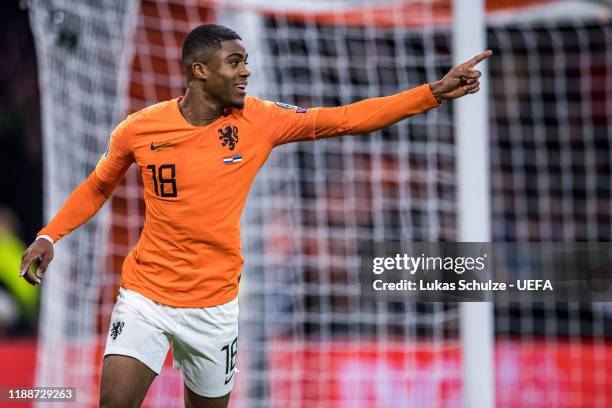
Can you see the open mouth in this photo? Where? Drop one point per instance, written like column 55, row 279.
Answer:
column 241, row 88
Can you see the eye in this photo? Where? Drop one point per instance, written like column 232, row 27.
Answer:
column 234, row 64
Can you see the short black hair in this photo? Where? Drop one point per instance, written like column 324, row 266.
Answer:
column 203, row 40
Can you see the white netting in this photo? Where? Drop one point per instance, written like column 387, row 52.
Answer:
column 82, row 53
column 307, row 338
column 551, row 181
column 311, row 340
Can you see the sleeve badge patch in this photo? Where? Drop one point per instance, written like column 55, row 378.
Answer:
column 289, row 106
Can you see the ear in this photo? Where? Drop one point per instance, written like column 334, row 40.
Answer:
column 199, row 70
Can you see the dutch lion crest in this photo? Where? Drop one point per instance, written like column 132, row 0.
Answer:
column 228, row 136
column 116, row 329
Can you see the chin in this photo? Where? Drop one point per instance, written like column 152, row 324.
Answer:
column 237, row 104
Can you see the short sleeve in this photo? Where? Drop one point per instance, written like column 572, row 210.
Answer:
column 284, row 123
column 118, row 156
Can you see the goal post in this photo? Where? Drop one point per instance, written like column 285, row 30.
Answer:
column 474, row 207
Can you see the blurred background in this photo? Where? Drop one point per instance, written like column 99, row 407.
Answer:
column 21, row 198
column 74, row 69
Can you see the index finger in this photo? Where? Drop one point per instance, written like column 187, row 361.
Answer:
column 479, row 58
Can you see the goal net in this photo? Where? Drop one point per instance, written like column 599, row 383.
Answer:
column 307, row 338
column 550, row 166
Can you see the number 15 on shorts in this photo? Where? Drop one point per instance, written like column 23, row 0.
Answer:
column 230, row 359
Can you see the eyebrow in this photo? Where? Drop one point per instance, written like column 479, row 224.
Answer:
column 238, row 55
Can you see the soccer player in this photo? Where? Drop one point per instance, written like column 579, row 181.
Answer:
column 198, row 155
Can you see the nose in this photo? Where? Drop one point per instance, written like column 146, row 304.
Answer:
column 245, row 72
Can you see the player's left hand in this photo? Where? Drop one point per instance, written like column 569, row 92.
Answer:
column 460, row 80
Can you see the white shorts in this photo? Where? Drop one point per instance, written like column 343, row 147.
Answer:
column 204, row 340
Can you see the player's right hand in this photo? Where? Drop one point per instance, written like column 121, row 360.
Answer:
column 40, row 253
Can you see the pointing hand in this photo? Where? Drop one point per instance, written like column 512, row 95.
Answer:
column 460, row 80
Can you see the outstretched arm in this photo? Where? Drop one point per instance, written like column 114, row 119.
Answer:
column 372, row 114
column 377, row 113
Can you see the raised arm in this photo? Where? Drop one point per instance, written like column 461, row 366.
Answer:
column 82, row 204
column 372, row 114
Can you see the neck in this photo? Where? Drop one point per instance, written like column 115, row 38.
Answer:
column 198, row 108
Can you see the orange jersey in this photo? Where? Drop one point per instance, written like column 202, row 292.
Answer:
column 196, row 180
